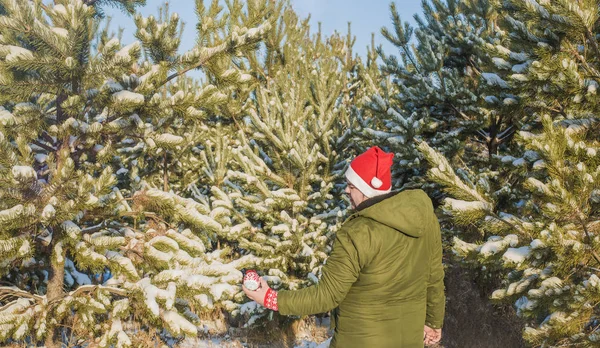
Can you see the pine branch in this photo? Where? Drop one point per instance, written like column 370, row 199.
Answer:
column 165, row 173
column 60, row 98
column 583, row 62
column 589, row 239
column 458, row 112
column 47, row 137
column 495, row 216
column 483, row 134
column 43, row 146
column 505, row 135
column 182, row 72
column 592, row 40
column 96, row 228
column 217, row 49
column 9, row 291
column 87, row 289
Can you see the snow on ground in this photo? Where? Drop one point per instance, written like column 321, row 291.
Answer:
column 306, row 337
column 235, row 343
column 310, row 344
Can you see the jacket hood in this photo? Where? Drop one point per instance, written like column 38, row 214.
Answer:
column 409, row 212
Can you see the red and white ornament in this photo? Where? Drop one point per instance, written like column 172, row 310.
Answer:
column 251, row 280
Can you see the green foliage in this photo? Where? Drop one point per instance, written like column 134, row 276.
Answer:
column 449, row 88
column 83, row 121
column 538, row 230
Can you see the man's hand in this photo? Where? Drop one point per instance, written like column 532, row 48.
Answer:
column 431, row 336
column 259, row 294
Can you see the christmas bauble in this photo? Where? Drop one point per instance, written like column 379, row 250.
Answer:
column 251, row 280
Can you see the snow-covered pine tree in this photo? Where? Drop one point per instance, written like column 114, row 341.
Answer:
column 543, row 231
column 269, row 169
column 449, row 87
column 77, row 112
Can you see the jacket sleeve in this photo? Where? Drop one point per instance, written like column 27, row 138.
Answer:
column 436, row 299
column 338, row 274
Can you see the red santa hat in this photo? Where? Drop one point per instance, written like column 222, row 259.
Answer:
column 371, row 173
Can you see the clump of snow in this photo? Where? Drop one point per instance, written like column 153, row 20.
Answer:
column 490, row 99
column 519, row 77
column 16, row 53
column 524, row 304
column 40, row 158
column 128, row 97
column 152, row 292
column 152, row 72
column 48, row 212
column 80, row 278
column 125, row 52
column 60, row 9
column 112, row 86
column 520, row 68
column 460, row 205
column 491, row 247
column 519, row 162
column 496, row 244
column 516, row 255
column 124, row 262
column 217, row 290
column 494, row 80
column 167, row 138
column 177, row 324
column 116, row 329
column 537, row 244
column 501, row 63
column 552, row 282
column 60, row 31
column 24, row 173
column 71, row 229
column 6, row 118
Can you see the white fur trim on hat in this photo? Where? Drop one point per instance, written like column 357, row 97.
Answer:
column 362, row 185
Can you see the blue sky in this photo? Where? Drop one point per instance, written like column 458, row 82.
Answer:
column 367, row 16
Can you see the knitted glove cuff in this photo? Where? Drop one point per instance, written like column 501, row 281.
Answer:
column 271, row 300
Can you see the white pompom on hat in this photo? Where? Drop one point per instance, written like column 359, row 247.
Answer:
column 371, row 173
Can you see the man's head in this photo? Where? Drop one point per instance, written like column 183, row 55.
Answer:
column 369, row 175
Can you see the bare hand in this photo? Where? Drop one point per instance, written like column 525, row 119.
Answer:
column 431, row 336
column 258, row 295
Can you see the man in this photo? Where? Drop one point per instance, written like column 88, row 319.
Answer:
column 384, row 277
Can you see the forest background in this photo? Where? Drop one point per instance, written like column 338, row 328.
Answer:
column 138, row 177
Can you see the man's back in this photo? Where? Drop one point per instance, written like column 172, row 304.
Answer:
column 397, row 240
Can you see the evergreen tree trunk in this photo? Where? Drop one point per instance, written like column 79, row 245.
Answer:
column 55, row 286
column 492, row 142
column 492, row 145
column 56, row 276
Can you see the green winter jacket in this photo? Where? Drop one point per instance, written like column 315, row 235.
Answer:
column 384, row 277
